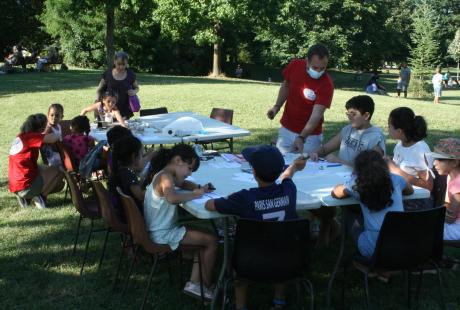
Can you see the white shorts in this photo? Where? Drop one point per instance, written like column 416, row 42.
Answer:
column 452, row 231
column 285, row 141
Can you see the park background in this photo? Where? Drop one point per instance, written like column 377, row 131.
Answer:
column 171, row 46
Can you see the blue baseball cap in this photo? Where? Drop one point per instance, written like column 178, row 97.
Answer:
column 266, row 160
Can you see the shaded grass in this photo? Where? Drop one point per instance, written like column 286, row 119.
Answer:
column 37, row 269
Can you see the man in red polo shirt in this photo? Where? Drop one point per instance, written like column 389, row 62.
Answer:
column 307, row 90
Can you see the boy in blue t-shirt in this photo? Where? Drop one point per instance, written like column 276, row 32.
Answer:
column 268, row 202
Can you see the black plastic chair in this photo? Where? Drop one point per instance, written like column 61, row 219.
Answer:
column 225, row 116
column 272, row 252
column 410, row 242
column 145, row 112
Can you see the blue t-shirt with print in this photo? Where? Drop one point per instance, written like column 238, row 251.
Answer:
column 273, row 203
column 373, row 220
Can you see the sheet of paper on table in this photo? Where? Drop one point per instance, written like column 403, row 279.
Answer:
column 244, row 177
column 206, row 197
column 224, row 165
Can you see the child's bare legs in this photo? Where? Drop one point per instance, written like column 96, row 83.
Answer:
column 208, row 254
column 52, row 180
column 241, row 292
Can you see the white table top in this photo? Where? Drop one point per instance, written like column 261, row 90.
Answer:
column 215, row 130
column 314, row 185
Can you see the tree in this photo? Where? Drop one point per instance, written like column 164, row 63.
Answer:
column 454, row 50
column 202, row 20
column 425, row 49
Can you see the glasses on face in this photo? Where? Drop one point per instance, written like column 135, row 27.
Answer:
column 351, row 114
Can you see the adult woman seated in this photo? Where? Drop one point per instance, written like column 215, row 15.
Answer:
column 121, row 81
column 26, row 180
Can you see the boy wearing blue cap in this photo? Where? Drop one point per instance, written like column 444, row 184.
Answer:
column 267, row 202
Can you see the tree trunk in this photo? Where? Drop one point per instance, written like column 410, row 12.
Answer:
column 216, row 69
column 458, row 68
column 110, row 27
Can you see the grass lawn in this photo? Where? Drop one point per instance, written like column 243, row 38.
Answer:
column 37, row 269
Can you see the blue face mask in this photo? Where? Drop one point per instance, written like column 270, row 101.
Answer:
column 315, row 74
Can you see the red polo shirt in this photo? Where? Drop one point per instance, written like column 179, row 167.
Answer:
column 22, row 165
column 304, row 93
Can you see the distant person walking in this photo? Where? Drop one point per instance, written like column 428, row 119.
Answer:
column 307, row 90
column 120, row 81
column 437, row 85
column 404, row 75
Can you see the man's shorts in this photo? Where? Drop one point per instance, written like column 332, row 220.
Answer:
column 33, row 190
column 286, row 140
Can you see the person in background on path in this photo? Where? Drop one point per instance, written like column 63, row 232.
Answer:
column 26, row 179
column 358, row 136
column 437, row 85
column 170, row 168
column 106, row 109
column 238, row 71
column 446, row 157
column 55, row 115
column 446, row 78
column 404, row 75
column 120, row 81
column 378, row 192
column 307, row 90
column 409, row 154
column 79, row 142
column 267, row 164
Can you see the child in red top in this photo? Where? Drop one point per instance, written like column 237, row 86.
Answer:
column 26, row 180
column 78, row 142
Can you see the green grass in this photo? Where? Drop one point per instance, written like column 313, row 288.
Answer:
column 37, row 269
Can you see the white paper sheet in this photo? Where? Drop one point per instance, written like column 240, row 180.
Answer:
column 224, row 165
column 206, row 197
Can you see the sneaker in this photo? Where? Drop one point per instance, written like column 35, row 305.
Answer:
column 193, row 289
column 39, row 202
column 22, row 202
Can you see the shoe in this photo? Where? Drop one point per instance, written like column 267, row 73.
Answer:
column 193, row 289
column 22, row 202
column 39, row 202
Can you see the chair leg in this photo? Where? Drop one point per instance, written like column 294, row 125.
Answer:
column 119, row 262
column 309, row 287
column 366, row 290
column 152, row 271
column 130, row 269
column 103, row 247
column 230, row 143
column 443, row 304
column 168, row 262
column 409, row 288
column 419, row 286
column 344, row 284
column 200, row 271
column 86, row 247
column 76, row 235
column 225, row 294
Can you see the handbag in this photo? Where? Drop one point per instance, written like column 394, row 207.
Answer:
column 134, row 103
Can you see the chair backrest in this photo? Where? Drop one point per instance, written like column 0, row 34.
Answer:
column 106, row 206
column 410, row 239
column 145, row 112
column 271, row 251
column 439, row 188
column 223, row 115
column 75, row 193
column 66, row 157
column 137, row 228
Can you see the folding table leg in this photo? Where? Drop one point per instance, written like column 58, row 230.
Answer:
column 225, row 266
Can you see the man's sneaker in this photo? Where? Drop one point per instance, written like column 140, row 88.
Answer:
column 39, row 202
column 193, row 289
column 22, row 202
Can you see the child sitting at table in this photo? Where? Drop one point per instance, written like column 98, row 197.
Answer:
column 79, row 142
column 106, row 109
column 170, row 168
column 126, row 154
column 359, row 135
column 409, row 153
column 267, row 165
column 54, row 117
column 446, row 157
column 378, row 192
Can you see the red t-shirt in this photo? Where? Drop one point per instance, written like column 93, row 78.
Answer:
column 304, row 93
column 22, row 166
